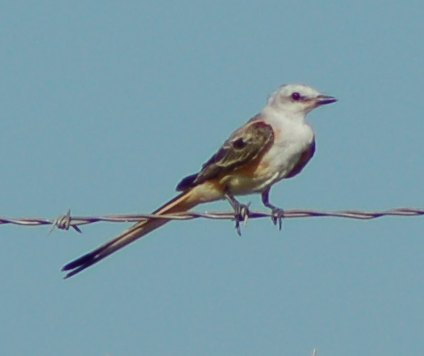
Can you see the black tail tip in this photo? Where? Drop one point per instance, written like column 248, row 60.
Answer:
column 79, row 264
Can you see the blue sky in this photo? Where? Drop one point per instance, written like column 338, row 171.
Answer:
column 107, row 105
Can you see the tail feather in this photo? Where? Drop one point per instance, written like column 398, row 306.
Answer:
column 178, row 204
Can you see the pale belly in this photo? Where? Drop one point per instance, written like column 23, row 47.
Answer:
column 266, row 174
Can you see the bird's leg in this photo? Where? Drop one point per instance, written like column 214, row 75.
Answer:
column 277, row 213
column 241, row 211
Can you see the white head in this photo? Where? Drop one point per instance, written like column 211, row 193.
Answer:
column 297, row 99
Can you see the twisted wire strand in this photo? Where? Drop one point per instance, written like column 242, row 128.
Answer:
column 67, row 221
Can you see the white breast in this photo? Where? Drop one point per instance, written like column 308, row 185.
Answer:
column 292, row 138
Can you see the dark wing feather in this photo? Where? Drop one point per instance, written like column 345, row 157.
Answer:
column 244, row 145
column 303, row 160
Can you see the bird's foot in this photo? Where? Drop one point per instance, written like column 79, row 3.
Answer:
column 277, row 216
column 241, row 214
column 241, row 211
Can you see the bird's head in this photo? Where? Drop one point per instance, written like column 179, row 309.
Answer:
column 297, row 99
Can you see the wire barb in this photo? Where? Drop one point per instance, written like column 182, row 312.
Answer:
column 66, row 221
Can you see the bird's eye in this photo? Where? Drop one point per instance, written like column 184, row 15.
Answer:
column 296, row 96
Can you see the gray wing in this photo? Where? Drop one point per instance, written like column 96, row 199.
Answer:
column 245, row 145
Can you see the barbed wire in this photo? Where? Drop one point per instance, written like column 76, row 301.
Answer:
column 65, row 222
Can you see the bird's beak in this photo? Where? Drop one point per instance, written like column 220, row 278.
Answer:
column 325, row 99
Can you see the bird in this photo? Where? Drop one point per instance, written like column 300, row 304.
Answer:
column 274, row 144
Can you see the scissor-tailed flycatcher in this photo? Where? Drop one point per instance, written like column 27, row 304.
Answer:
column 273, row 145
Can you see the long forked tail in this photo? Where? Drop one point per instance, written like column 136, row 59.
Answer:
column 179, row 204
